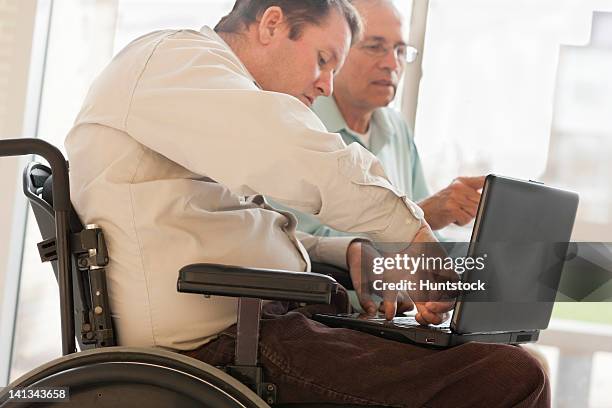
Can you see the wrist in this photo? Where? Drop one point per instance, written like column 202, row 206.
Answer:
column 429, row 214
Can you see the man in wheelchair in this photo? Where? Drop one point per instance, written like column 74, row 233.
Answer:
column 177, row 141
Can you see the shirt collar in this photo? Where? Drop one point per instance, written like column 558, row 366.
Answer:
column 381, row 128
column 209, row 32
column 329, row 113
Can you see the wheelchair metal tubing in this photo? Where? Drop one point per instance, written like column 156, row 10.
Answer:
column 65, row 281
column 26, row 146
column 61, row 206
column 247, row 335
column 101, row 316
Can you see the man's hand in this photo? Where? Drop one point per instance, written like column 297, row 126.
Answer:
column 457, row 203
column 431, row 307
column 363, row 280
column 433, row 312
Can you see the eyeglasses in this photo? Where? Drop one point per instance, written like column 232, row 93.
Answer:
column 403, row 52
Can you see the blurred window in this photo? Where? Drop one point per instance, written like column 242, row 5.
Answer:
column 519, row 88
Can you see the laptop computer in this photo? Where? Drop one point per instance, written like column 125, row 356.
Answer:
column 524, row 228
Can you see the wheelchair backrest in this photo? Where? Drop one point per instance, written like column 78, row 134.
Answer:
column 37, row 182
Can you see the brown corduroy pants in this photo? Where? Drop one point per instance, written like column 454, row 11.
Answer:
column 312, row 363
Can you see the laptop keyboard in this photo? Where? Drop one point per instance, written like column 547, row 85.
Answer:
column 398, row 321
column 411, row 321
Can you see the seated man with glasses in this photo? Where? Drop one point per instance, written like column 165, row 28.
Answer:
column 358, row 111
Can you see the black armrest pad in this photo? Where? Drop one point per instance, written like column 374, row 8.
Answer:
column 340, row 275
column 237, row 281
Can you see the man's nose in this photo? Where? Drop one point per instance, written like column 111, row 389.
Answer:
column 390, row 61
column 325, row 84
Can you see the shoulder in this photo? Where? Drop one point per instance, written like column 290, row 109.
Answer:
column 206, row 47
column 195, row 59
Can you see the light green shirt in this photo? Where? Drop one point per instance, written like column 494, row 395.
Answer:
column 391, row 141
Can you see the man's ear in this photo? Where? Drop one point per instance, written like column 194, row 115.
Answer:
column 271, row 24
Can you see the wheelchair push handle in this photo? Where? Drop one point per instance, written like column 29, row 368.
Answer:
column 62, row 207
column 59, row 168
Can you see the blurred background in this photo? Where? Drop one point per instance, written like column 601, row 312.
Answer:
column 521, row 88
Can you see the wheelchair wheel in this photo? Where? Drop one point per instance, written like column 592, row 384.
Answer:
column 132, row 377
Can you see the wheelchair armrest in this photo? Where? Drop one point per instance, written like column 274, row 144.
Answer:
column 340, row 275
column 267, row 284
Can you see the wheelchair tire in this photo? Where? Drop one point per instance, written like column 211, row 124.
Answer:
column 129, row 377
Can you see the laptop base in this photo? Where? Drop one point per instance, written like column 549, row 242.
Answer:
column 407, row 330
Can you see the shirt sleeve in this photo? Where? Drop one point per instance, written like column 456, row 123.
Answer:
column 194, row 106
column 309, row 224
column 328, row 250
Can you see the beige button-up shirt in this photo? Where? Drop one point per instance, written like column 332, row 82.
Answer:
column 173, row 144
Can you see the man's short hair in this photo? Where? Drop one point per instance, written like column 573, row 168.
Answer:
column 298, row 13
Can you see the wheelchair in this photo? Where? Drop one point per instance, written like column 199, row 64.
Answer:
column 105, row 374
